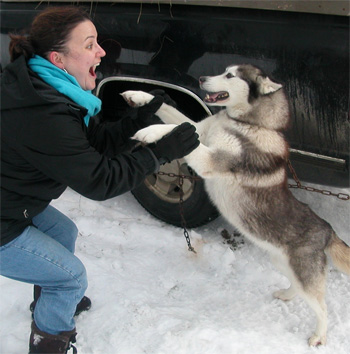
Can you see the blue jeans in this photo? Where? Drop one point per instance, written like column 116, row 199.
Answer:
column 44, row 255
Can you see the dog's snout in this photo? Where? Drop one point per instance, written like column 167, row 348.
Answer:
column 202, row 79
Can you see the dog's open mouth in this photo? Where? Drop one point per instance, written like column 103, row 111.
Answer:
column 214, row 97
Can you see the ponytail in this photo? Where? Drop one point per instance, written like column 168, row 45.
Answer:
column 20, row 45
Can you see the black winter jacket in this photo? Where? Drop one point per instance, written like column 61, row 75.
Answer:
column 45, row 147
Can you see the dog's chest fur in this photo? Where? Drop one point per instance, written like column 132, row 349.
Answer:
column 219, row 132
column 245, row 157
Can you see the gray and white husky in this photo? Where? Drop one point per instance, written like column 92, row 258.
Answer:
column 242, row 158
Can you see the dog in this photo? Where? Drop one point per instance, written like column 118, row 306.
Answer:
column 242, row 158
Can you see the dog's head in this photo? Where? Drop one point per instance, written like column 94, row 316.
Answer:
column 238, row 83
column 242, row 89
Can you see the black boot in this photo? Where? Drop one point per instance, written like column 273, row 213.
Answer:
column 45, row 343
column 84, row 304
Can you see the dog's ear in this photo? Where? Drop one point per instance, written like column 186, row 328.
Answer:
column 267, row 86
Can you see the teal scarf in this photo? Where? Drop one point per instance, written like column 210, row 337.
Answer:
column 66, row 84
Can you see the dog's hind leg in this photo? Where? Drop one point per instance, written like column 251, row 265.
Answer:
column 310, row 272
column 314, row 296
column 286, row 294
column 310, row 285
column 281, row 263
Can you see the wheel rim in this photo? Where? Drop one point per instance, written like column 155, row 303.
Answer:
column 168, row 187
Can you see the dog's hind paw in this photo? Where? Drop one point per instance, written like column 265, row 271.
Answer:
column 316, row 340
column 153, row 133
column 285, row 294
column 137, row 98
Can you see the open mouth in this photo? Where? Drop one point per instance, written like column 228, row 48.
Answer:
column 92, row 70
column 214, row 97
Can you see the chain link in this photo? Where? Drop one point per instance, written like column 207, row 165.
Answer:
column 181, row 201
column 182, row 214
column 298, row 185
column 170, row 174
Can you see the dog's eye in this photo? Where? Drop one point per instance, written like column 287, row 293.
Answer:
column 229, row 75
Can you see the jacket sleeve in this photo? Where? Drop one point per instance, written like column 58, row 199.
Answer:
column 111, row 138
column 56, row 145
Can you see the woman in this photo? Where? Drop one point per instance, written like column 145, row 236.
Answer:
column 51, row 139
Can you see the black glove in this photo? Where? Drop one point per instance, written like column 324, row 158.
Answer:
column 165, row 96
column 178, row 143
column 144, row 116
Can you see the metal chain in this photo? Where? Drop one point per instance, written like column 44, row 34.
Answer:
column 181, row 202
column 182, row 214
column 192, row 178
column 341, row 196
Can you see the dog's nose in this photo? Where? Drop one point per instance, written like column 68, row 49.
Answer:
column 202, row 79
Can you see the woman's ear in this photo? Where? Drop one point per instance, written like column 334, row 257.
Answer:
column 56, row 59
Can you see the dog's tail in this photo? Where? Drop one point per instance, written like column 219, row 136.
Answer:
column 340, row 253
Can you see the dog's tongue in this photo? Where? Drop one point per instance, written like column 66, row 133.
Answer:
column 212, row 97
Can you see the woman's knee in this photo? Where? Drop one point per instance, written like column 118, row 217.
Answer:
column 79, row 276
column 72, row 229
column 67, row 274
column 83, row 280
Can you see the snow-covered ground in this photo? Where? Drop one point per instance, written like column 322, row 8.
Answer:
column 151, row 295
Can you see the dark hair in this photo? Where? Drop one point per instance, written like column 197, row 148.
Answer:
column 49, row 31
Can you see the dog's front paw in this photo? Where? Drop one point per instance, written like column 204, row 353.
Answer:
column 137, row 98
column 316, row 340
column 153, row 133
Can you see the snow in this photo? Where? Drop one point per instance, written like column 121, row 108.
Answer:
column 151, row 295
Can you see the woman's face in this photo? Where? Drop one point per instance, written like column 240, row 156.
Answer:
column 83, row 55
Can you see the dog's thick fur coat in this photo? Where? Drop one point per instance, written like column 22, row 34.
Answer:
column 242, row 158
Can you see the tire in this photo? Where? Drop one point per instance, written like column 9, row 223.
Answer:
column 160, row 196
